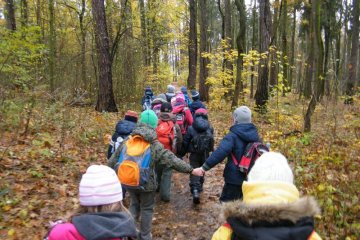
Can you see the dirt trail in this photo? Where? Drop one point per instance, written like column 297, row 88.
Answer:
column 180, row 218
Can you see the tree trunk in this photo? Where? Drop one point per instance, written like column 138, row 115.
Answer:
column 204, row 47
column 228, row 64
column 24, row 13
column 83, row 43
column 284, row 46
column 274, row 43
column 105, row 101
column 292, row 62
column 352, row 66
column 262, row 90
column 52, row 45
column 319, row 74
column 228, row 34
column 254, row 44
column 241, row 45
column 191, row 81
column 146, row 56
column 310, row 40
column 10, row 15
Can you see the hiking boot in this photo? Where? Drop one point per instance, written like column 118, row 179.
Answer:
column 196, row 196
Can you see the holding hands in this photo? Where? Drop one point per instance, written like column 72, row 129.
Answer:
column 198, row 172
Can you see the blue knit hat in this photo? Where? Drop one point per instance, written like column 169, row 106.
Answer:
column 183, row 89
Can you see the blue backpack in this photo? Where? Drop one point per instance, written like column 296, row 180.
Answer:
column 133, row 167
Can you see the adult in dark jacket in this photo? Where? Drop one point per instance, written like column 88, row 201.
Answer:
column 196, row 104
column 241, row 133
column 200, row 129
column 122, row 130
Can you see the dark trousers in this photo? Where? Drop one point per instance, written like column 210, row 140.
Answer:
column 231, row 192
column 197, row 160
column 164, row 174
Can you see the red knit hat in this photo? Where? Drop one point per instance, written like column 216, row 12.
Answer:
column 201, row 111
column 131, row 116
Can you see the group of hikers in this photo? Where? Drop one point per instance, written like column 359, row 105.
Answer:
column 259, row 198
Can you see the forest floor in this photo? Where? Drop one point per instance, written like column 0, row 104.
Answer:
column 46, row 146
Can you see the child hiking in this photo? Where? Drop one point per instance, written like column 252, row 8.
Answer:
column 186, row 95
column 101, row 214
column 143, row 147
column 196, row 104
column 169, row 135
column 147, row 98
column 156, row 103
column 233, row 144
column 183, row 115
column 122, row 130
column 271, row 207
column 199, row 141
column 170, row 93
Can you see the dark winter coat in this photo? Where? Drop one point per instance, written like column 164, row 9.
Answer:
column 200, row 125
column 234, row 142
column 195, row 105
column 123, row 129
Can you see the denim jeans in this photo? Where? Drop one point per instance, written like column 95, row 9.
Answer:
column 142, row 206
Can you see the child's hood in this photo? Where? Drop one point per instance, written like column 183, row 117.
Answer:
column 201, row 124
column 105, row 225
column 144, row 130
column 124, row 127
column 247, row 132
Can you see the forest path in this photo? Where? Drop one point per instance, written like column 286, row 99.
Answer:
column 180, row 218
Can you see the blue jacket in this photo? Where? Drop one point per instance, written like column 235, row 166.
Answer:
column 195, row 105
column 123, row 129
column 234, row 142
column 187, row 99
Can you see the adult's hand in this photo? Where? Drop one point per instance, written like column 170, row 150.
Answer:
column 198, row 172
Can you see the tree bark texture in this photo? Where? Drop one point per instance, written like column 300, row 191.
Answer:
column 284, row 46
column 144, row 34
column 319, row 64
column 204, row 47
column 262, row 90
column 52, row 45
column 253, row 44
column 228, row 34
column 192, row 47
column 274, row 43
column 241, row 46
column 105, row 101
column 10, row 15
column 352, row 66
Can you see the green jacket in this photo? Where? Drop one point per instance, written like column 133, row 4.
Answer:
column 159, row 155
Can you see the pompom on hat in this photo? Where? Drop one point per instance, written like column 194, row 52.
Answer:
column 99, row 186
column 271, row 166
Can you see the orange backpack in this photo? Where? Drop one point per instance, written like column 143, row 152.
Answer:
column 166, row 135
column 133, row 167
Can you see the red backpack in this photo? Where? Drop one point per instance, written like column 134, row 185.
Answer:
column 252, row 152
column 166, row 135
